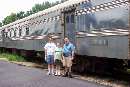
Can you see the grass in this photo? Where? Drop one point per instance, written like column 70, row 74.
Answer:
column 12, row 57
column 128, row 70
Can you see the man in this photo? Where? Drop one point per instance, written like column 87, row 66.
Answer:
column 68, row 53
column 49, row 55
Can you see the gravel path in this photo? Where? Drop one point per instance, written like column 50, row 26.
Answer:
column 13, row 75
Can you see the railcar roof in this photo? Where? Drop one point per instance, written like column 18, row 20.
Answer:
column 58, row 7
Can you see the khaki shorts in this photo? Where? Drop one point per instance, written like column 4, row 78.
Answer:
column 67, row 61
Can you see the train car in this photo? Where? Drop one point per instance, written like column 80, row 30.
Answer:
column 98, row 28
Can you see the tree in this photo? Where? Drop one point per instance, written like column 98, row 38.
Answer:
column 28, row 13
column 47, row 5
column 56, row 3
column 20, row 15
column 40, row 7
column 36, row 8
column 11, row 18
column 63, row 1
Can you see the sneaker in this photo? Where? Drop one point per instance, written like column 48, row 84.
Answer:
column 58, row 74
column 52, row 73
column 70, row 75
column 48, row 73
column 65, row 75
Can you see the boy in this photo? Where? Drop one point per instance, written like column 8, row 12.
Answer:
column 49, row 55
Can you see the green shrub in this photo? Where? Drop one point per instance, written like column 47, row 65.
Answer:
column 128, row 70
column 12, row 57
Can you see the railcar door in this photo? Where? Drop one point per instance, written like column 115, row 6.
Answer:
column 70, row 25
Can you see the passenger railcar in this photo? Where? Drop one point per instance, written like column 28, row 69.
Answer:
column 98, row 28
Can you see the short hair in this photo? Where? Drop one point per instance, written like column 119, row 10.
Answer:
column 50, row 38
column 66, row 38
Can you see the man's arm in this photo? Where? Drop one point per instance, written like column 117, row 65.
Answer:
column 45, row 52
column 73, row 50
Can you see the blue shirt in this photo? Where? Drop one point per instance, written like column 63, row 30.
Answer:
column 67, row 49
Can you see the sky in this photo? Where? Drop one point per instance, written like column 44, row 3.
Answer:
column 13, row 6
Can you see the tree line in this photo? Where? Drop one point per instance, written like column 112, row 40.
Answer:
column 36, row 8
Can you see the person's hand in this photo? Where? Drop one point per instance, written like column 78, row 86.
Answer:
column 62, row 60
column 45, row 57
column 72, row 57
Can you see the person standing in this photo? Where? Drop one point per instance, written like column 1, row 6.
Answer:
column 49, row 55
column 68, row 53
column 58, row 58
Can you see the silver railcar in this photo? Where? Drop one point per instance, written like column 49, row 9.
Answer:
column 98, row 28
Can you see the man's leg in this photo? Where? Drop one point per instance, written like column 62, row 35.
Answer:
column 65, row 67
column 69, row 73
column 69, row 67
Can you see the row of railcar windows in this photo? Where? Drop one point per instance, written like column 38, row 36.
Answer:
column 13, row 33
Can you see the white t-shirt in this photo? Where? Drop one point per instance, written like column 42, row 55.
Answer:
column 50, row 47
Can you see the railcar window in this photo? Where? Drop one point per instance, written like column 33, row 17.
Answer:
column 2, row 33
column 14, row 33
column 20, row 32
column 67, row 19
column 72, row 18
column 6, row 34
column 80, row 21
column 56, row 18
column 10, row 34
column 86, row 22
column 27, row 31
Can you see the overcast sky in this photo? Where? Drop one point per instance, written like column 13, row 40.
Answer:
column 13, row 6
